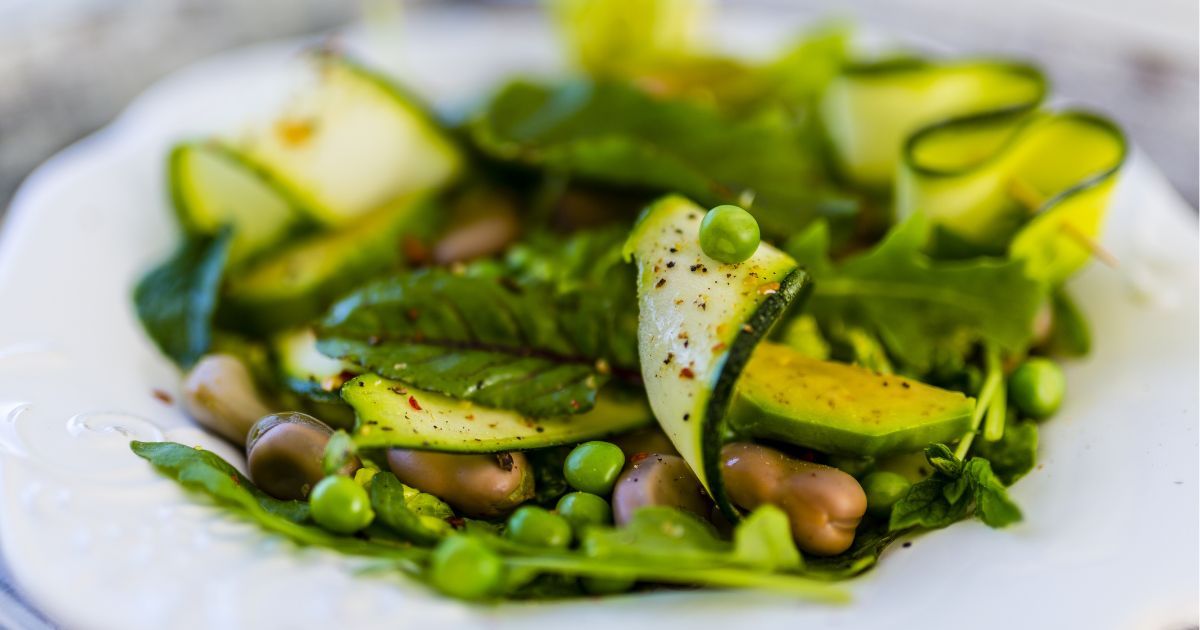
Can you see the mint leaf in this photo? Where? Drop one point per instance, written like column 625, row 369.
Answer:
column 525, row 347
column 922, row 309
column 955, row 489
column 615, row 134
column 176, row 300
column 992, row 504
column 1014, row 454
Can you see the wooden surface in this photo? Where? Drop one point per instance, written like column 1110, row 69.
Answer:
column 68, row 66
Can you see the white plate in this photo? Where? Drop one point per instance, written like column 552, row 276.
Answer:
column 97, row 539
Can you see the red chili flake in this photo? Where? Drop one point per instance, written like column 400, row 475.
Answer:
column 768, row 288
column 397, row 390
column 687, row 373
column 574, row 404
column 718, row 346
column 413, row 314
column 412, row 402
column 638, row 457
column 470, row 416
column 235, row 480
column 457, row 522
column 162, row 396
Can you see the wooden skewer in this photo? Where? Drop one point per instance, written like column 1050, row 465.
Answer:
column 1033, row 200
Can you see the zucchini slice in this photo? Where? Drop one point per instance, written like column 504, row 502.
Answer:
column 698, row 322
column 213, row 185
column 353, row 143
column 305, row 371
column 293, row 285
column 872, row 109
column 391, row 414
column 1034, row 185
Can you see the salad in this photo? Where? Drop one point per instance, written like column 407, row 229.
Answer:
column 678, row 318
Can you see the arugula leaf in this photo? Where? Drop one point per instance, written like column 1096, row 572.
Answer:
column 176, row 300
column 952, row 492
column 528, row 348
column 1015, row 454
column 205, row 471
column 615, row 134
column 393, row 508
column 764, row 539
column 921, row 309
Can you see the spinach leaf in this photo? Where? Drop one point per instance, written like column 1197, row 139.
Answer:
column 955, row 489
column 529, row 347
column 1014, row 454
column 395, row 511
column 176, row 300
column 921, row 309
column 615, row 134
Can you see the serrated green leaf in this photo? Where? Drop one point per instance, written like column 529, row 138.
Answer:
column 528, row 347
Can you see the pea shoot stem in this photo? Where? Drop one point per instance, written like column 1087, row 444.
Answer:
column 992, row 383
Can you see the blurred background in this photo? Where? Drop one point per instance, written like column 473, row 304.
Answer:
column 67, row 67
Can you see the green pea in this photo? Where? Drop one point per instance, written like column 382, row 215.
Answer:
column 582, row 509
column 531, row 525
column 340, row 505
column 883, row 490
column 465, row 568
column 1037, row 387
column 606, row 585
column 593, row 467
column 729, row 234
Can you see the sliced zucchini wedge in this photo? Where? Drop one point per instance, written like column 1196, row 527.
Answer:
column 871, row 109
column 391, row 414
column 698, row 323
column 842, row 409
column 214, row 185
column 293, row 285
column 353, row 143
column 1032, row 185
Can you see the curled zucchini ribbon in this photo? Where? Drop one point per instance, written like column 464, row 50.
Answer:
column 970, row 145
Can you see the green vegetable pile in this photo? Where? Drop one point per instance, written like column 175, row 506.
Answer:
column 848, row 270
